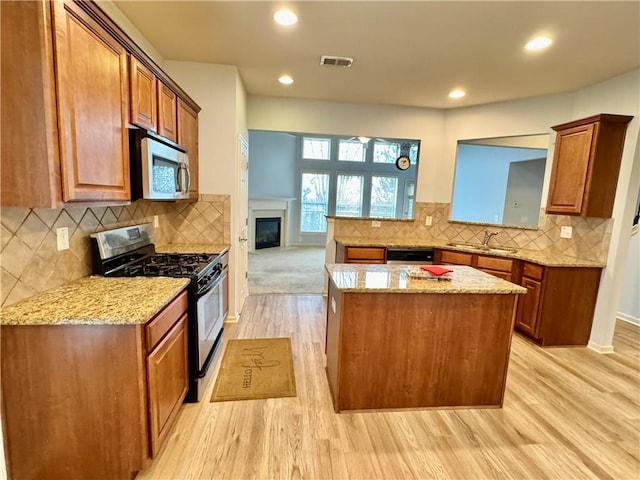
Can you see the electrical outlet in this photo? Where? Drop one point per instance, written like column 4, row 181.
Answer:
column 62, row 238
column 375, row 223
column 566, row 232
column 156, row 221
column 428, row 220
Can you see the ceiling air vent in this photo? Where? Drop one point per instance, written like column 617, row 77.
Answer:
column 336, row 61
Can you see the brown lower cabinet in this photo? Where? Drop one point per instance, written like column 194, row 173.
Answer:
column 351, row 254
column 91, row 401
column 504, row 268
column 558, row 307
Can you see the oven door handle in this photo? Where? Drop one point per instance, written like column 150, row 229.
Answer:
column 207, row 289
column 205, row 367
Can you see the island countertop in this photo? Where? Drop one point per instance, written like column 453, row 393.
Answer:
column 97, row 301
column 367, row 278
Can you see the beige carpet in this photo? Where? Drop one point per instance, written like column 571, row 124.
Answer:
column 286, row 270
column 255, row 368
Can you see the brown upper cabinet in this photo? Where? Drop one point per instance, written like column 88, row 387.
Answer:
column 153, row 104
column 144, row 100
column 64, row 116
column 68, row 95
column 586, row 164
column 167, row 112
column 188, row 138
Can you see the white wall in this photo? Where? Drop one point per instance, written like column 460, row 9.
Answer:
column 308, row 116
column 123, row 22
column 620, row 95
column 221, row 96
column 629, row 307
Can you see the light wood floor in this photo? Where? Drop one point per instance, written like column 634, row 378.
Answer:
column 568, row 413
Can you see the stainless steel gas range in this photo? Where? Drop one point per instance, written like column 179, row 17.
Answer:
column 130, row 252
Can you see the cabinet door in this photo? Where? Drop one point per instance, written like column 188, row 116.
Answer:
column 570, row 170
column 167, row 114
column 144, row 100
column 448, row 257
column 527, row 312
column 93, row 99
column 188, row 138
column 168, row 379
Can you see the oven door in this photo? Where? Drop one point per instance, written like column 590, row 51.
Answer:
column 210, row 320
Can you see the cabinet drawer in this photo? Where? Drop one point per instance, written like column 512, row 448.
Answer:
column 532, row 270
column 456, row 258
column 493, row 263
column 364, row 253
column 160, row 325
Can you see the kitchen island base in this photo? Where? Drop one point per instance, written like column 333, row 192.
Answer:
column 417, row 350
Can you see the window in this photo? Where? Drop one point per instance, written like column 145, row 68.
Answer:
column 349, row 195
column 385, row 152
column 409, row 198
column 384, row 193
column 343, row 177
column 351, row 151
column 315, row 201
column 316, row 148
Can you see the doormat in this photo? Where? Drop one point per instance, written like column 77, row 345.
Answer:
column 255, row 368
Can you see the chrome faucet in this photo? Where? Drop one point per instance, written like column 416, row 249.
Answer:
column 487, row 236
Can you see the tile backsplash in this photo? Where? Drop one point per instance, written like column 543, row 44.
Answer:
column 590, row 240
column 30, row 262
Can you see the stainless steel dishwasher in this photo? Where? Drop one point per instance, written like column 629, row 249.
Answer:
column 409, row 256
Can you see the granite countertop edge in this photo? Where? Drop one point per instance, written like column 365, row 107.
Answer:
column 352, row 278
column 96, row 300
column 535, row 256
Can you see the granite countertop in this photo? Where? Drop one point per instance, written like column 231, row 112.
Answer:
column 541, row 257
column 192, row 248
column 97, row 301
column 366, row 278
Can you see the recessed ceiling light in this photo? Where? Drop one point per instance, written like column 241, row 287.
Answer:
column 456, row 94
column 285, row 17
column 285, row 80
column 538, row 43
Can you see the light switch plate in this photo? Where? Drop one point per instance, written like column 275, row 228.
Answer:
column 156, row 221
column 375, row 223
column 566, row 232
column 62, row 238
column 428, row 220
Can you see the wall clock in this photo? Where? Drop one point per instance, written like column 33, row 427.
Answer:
column 403, row 162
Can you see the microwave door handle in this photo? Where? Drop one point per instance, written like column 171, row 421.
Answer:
column 180, row 176
column 186, row 169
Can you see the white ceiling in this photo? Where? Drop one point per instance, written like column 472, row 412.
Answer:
column 406, row 52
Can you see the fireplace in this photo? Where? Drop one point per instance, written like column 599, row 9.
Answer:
column 267, row 232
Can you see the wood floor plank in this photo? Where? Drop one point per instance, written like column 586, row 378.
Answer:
column 568, row 413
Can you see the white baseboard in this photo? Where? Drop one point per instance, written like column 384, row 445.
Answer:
column 604, row 349
column 232, row 318
column 628, row 318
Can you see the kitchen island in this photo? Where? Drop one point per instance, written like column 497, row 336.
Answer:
column 396, row 342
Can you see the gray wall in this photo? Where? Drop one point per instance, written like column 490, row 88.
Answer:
column 272, row 157
column 524, row 189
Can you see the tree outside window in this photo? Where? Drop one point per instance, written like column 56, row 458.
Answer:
column 315, row 201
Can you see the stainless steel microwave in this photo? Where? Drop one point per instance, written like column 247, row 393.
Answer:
column 159, row 167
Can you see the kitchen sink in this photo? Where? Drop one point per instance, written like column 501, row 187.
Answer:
column 479, row 248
